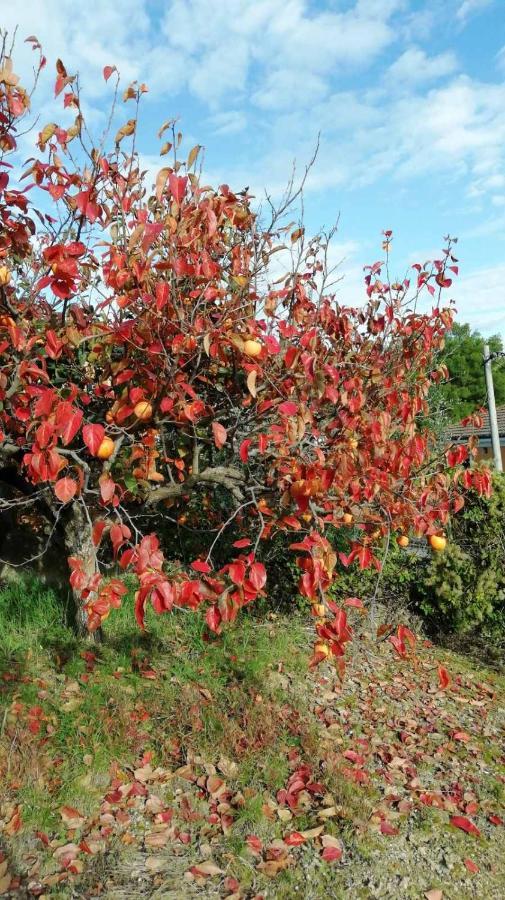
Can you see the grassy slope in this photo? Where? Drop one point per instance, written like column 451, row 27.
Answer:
column 171, row 752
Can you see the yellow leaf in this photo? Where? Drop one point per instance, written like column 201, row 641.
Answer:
column 312, row 832
column 297, row 234
column 237, row 341
column 193, row 154
column 135, row 236
column 46, row 134
column 327, row 813
column 206, row 343
column 126, row 130
column 167, row 146
column 168, row 124
column 161, row 180
column 251, row 382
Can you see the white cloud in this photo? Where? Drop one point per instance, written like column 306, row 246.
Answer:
column 230, row 121
column 278, row 51
column 285, row 88
column 479, row 299
column 415, row 67
column 470, row 8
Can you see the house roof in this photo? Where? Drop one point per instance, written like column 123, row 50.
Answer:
column 465, row 431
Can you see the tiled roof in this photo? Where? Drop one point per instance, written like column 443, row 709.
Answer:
column 464, row 431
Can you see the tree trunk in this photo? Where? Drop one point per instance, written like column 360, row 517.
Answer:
column 79, row 542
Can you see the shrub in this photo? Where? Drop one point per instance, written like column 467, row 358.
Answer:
column 463, row 589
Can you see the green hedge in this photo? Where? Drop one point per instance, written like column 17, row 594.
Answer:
column 460, row 591
column 463, row 589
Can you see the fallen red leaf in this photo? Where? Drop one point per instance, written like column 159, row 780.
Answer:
column 471, row 866
column 294, row 839
column 461, row 736
column 331, row 854
column 387, row 828
column 254, row 843
column 496, row 820
column 465, row 825
column 443, row 678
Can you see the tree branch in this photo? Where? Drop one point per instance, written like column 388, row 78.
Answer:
column 227, row 476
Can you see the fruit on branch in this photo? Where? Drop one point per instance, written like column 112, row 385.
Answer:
column 347, row 519
column 143, row 410
column 252, row 348
column 437, row 542
column 402, row 540
column 106, row 448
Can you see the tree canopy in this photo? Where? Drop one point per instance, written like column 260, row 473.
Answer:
column 465, row 389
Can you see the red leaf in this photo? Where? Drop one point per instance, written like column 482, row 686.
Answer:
column 236, row 571
column 199, row 565
column 65, row 489
column 443, row 282
column 71, row 817
column 294, row 839
column 177, row 184
column 119, row 534
column 254, row 843
column 42, row 836
column 405, row 633
column 465, row 825
column 93, row 436
column 140, row 606
column 213, row 619
column 107, row 71
column 243, row 542
column 443, row 678
column 388, row 829
column 107, row 487
column 220, row 434
column 471, row 866
column 69, row 423
column 98, row 529
column 288, row 408
column 258, row 575
column 496, row 820
column 355, row 602
column 331, row 854
column 244, row 450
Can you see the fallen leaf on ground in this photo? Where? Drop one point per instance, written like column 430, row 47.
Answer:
column 471, row 866
column 465, row 825
column 71, row 817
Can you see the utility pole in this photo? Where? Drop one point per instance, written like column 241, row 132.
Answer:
column 491, row 405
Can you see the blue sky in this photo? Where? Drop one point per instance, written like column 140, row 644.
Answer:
column 408, row 95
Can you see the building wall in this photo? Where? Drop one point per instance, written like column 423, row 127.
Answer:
column 487, row 454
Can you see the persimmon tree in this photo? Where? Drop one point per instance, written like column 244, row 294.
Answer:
column 149, row 356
